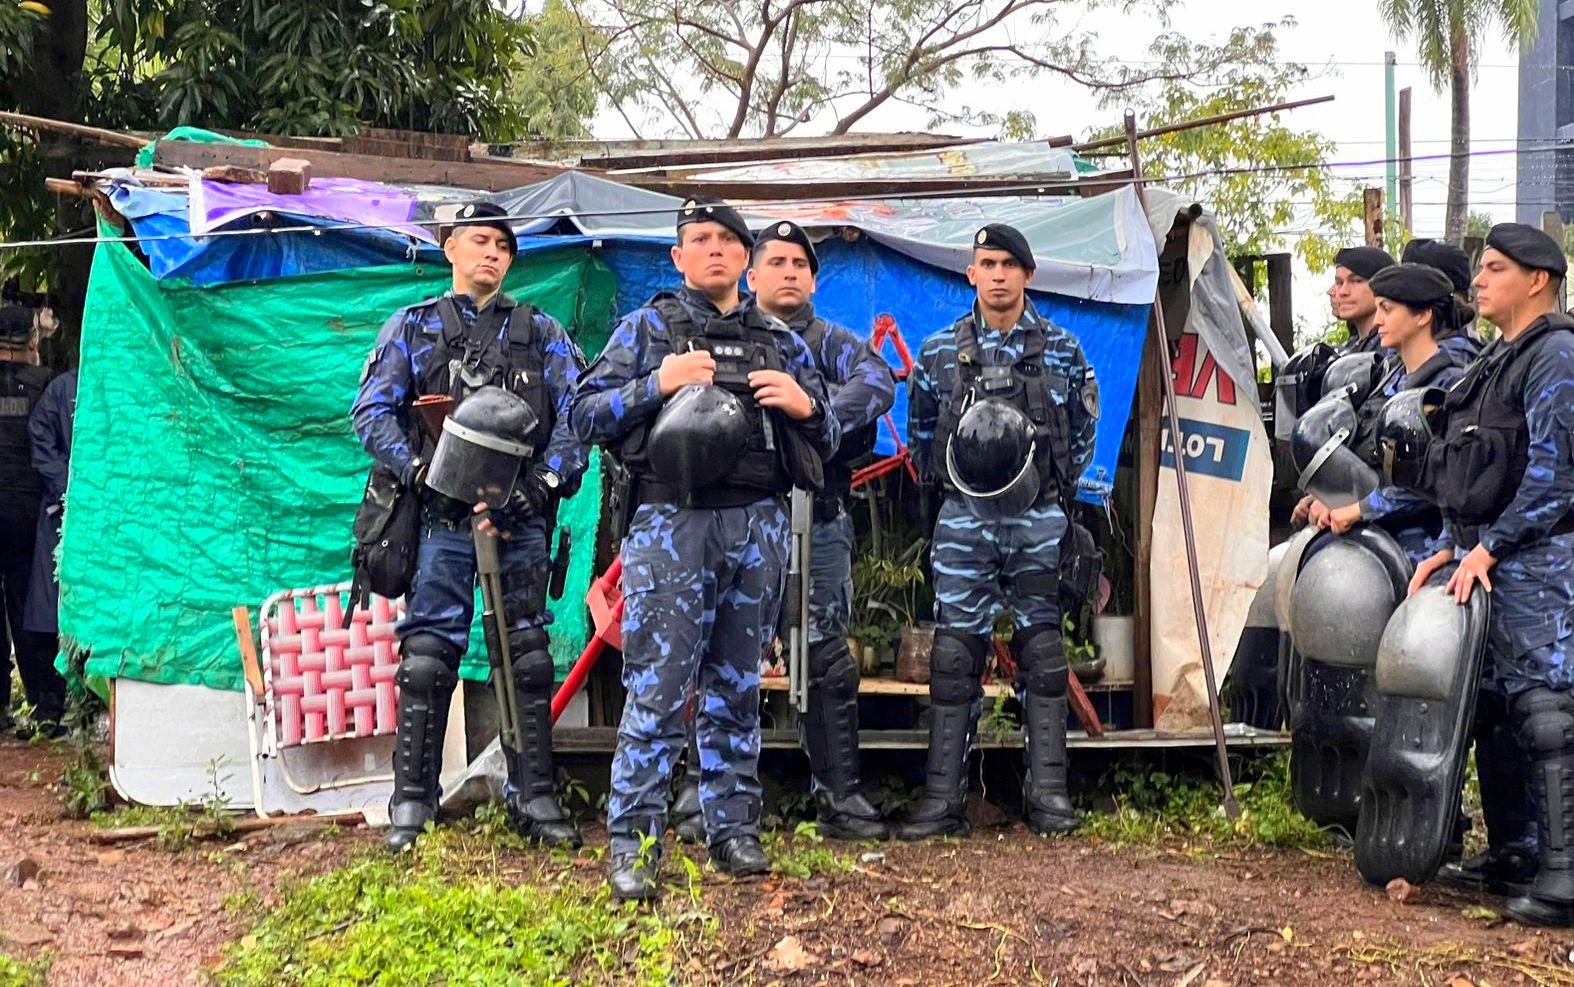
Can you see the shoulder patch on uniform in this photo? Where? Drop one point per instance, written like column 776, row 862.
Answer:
column 1090, row 392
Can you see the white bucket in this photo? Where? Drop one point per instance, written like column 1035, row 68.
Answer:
column 1115, row 637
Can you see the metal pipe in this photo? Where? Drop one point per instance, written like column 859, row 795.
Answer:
column 1232, row 808
column 493, row 624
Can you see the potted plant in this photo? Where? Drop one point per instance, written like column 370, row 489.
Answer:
column 1081, row 653
column 886, row 591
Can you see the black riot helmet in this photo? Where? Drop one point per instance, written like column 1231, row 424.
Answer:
column 990, row 459
column 1299, row 385
column 1358, row 373
column 1404, row 434
column 698, row 436
column 1330, row 469
column 484, row 444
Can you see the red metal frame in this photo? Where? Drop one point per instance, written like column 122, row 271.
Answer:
column 885, row 330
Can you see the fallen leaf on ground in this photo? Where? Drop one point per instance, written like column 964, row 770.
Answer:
column 789, row 956
column 867, row 957
column 1399, row 890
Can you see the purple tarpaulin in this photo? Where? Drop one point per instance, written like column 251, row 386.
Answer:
column 350, row 200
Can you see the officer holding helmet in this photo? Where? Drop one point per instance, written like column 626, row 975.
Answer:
column 474, row 337
column 1002, row 413
column 716, row 411
column 1498, row 458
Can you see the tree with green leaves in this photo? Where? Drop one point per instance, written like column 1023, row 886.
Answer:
column 300, row 67
column 1447, row 35
column 768, row 67
column 1262, row 178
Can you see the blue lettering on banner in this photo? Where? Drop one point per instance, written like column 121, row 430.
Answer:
column 1211, row 450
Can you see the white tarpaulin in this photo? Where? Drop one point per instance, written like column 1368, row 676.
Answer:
column 1229, row 469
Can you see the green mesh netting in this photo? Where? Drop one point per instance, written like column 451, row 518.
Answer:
column 213, row 462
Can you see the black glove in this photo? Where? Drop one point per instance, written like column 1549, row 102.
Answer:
column 534, row 492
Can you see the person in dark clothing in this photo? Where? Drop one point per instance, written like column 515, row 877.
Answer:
column 22, row 385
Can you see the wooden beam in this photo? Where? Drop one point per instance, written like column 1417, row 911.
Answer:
column 98, row 135
column 490, row 175
column 1148, row 405
column 661, row 153
column 1281, row 317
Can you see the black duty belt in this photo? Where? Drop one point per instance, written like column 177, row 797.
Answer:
column 711, row 498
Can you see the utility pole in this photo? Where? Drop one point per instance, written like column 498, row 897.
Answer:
column 1392, row 136
column 1406, row 216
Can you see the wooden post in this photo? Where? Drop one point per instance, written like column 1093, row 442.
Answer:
column 1281, row 318
column 1148, row 406
column 1372, row 202
column 1406, row 214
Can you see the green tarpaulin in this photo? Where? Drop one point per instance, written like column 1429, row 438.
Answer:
column 213, row 463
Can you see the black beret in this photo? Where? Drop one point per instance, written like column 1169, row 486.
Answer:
column 16, row 324
column 999, row 236
column 1413, row 284
column 1363, row 261
column 1445, row 257
column 1528, row 247
column 707, row 209
column 486, row 214
column 789, row 233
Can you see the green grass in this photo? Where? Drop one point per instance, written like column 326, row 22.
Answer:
column 24, row 973
column 804, row 853
column 460, row 912
column 1155, row 807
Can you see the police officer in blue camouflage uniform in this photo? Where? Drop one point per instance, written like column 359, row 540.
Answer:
column 1006, row 360
column 473, row 336
column 706, row 550
column 1354, row 268
column 862, row 389
column 1416, row 311
column 1501, row 467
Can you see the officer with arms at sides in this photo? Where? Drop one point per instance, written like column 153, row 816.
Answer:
column 1002, row 412
column 1501, row 466
column 716, row 410
column 1415, row 308
column 474, row 336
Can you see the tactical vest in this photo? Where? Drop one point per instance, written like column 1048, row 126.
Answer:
column 739, row 347
column 21, row 385
column 1027, row 385
column 463, row 361
column 1481, row 442
column 855, row 444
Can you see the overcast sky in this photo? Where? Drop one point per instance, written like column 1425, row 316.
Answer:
column 1343, row 42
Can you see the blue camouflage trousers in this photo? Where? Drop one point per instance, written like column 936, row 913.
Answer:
column 830, row 578
column 442, row 599
column 977, row 564
column 1533, row 618
column 702, row 592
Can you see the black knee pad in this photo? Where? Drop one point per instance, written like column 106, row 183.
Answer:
column 831, row 668
column 1041, row 660
column 1544, row 720
column 956, row 667
column 428, row 666
column 534, row 671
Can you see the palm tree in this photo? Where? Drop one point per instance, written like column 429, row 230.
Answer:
column 1447, row 34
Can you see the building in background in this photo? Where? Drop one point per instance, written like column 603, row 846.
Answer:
column 1546, row 117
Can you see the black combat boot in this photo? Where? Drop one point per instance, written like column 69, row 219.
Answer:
column 1509, row 863
column 1545, row 722
column 940, row 811
column 740, row 856
column 633, row 873
column 1047, row 802
column 426, row 684
column 532, row 805
column 830, row 737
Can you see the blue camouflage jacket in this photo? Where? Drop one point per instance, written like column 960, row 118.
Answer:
column 382, row 414
column 932, row 384
column 860, row 381
column 620, row 390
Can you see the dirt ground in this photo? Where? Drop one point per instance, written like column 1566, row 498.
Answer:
column 1003, row 907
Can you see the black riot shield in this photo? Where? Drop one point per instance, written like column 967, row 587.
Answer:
column 1347, row 588
column 1253, row 682
column 1428, row 675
